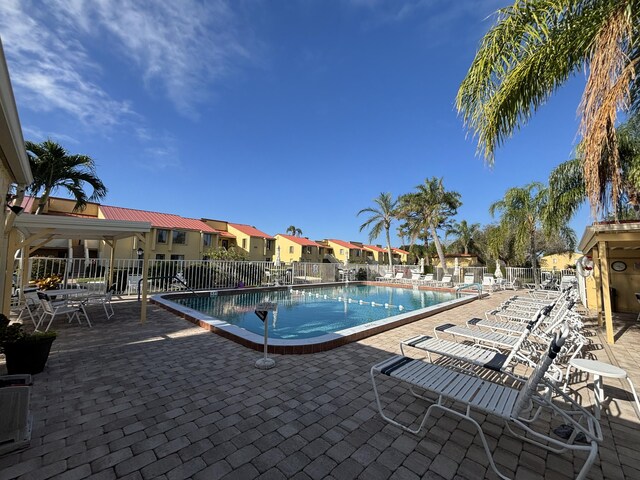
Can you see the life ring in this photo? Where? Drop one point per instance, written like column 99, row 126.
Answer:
column 584, row 266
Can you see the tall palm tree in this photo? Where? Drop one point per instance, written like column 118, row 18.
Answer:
column 296, row 232
column 465, row 233
column 522, row 213
column 428, row 210
column 54, row 168
column 535, row 47
column 567, row 191
column 380, row 220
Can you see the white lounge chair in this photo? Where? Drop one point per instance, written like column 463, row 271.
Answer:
column 385, row 278
column 521, row 407
column 444, row 282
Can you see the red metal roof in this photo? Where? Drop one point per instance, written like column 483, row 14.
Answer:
column 348, row 245
column 305, row 242
column 157, row 220
column 375, row 248
column 27, row 203
column 251, row 231
column 400, row 251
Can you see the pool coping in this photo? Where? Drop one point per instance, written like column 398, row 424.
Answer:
column 302, row 345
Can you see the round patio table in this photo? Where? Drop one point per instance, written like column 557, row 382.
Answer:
column 600, row 370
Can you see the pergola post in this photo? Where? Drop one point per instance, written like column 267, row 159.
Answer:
column 12, row 240
column 606, row 295
column 597, row 278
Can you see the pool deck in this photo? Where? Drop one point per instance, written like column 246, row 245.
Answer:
column 169, row 400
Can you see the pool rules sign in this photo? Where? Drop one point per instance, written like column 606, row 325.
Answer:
column 262, row 311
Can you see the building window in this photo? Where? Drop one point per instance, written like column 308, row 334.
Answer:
column 206, row 240
column 225, row 244
column 358, row 252
column 244, row 243
column 269, row 244
column 291, row 249
column 342, row 251
column 179, row 237
column 177, row 257
column 162, row 236
column 307, row 250
column 159, row 256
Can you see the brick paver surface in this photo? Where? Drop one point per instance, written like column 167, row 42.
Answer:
column 166, row 399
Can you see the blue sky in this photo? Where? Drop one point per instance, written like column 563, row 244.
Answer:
column 271, row 113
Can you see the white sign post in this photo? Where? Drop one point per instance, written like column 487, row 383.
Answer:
column 262, row 310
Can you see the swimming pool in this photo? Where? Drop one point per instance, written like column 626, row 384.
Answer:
column 331, row 314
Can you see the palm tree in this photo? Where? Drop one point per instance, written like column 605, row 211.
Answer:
column 567, row 191
column 428, row 210
column 54, row 168
column 535, row 47
column 522, row 212
column 380, row 220
column 465, row 233
column 296, row 232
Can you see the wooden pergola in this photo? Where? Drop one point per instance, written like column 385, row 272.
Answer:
column 30, row 232
column 608, row 244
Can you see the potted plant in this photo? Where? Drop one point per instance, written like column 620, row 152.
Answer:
column 49, row 283
column 24, row 352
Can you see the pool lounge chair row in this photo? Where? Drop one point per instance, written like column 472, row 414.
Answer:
column 519, row 400
column 416, row 279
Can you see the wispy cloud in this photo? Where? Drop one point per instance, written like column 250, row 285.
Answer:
column 178, row 49
column 52, row 71
column 161, row 153
column 36, row 134
column 181, row 48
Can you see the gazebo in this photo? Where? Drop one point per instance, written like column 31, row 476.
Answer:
column 30, row 232
column 615, row 251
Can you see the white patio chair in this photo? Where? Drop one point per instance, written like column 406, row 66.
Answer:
column 52, row 310
column 133, row 283
column 103, row 299
column 489, row 284
column 16, row 420
column 526, row 408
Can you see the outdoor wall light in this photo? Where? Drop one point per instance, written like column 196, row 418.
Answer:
column 17, row 210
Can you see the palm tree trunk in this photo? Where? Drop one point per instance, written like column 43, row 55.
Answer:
column 389, row 249
column 534, row 261
column 436, row 241
column 43, row 201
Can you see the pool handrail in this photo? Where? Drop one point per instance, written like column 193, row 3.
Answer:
column 477, row 286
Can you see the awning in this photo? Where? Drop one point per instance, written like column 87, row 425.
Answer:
column 77, row 227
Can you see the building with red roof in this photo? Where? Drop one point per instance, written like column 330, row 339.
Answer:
column 300, row 249
column 255, row 244
column 343, row 251
column 376, row 253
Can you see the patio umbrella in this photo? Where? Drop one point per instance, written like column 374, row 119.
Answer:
column 277, row 262
column 498, row 273
column 456, row 267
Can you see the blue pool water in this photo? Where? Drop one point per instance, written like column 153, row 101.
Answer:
column 313, row 312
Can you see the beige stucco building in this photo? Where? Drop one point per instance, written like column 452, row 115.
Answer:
column 299, row 249
column 343, row 251
column 14, row 171
column 559, row 261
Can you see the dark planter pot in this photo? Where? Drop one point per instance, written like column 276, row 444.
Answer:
column 27, row 357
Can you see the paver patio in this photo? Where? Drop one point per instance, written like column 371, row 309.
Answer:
column 168, row 400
